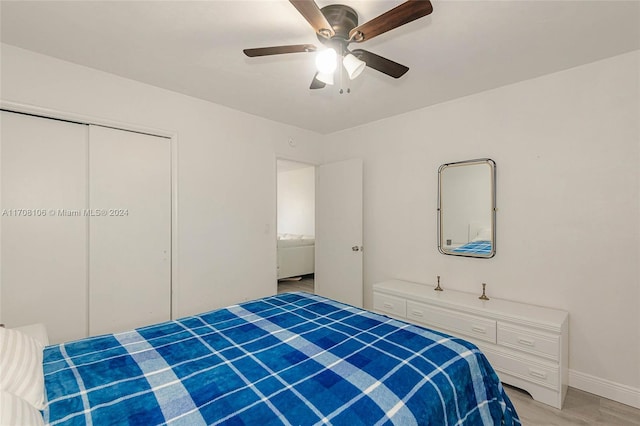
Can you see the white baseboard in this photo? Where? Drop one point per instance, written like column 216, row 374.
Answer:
column 605, row 388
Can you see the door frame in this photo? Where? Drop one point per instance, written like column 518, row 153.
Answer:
column 99, row 121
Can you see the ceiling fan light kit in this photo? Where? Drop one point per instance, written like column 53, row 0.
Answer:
column 326, row 78
column 336, row 26
column 327, row 61
column 353, row 65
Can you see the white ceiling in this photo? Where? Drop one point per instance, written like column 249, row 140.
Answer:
column 195, row 48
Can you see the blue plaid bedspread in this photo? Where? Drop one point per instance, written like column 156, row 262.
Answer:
column 294, row 358
column 475, row 247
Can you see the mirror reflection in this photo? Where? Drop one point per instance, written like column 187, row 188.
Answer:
column 466, row 208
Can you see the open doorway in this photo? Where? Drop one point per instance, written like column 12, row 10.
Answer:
column 295, row 226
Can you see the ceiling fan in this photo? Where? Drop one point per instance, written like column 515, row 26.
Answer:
column 336, row 26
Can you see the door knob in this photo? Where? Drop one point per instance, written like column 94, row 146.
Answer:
column 356, row 248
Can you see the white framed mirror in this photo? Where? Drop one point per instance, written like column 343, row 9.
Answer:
column 467, row 208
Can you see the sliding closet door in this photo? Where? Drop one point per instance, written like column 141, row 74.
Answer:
column 129, row 230
column 43, row 238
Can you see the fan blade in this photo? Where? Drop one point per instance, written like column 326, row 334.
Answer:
column 312, row 13
column 316, row 84
column 278, row 50
column 394, row 18
column 378, row 63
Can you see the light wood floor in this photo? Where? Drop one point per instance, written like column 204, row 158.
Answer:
column 580, row 408
column 305, row 283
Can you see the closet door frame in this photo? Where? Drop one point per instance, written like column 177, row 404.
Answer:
column 172, row 135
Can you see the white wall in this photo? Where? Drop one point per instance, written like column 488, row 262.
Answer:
column 567, row 148
column 297, row 201
column 226, row 170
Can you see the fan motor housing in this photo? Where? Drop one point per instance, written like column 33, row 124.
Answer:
column 342, row 19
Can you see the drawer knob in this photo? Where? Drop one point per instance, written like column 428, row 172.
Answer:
column 417, row 314
column 387, row 305
column 526, row 342
column 538, row 374
column 479, row 329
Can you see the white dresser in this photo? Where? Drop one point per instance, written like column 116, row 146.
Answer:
column 527, row 345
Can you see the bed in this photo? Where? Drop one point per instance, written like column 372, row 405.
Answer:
column 475, row 247
column 479, row 241
column 293, row 358
column 296, row 255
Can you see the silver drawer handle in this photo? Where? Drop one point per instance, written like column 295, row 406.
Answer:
column 479, row 329
column 417, row 313
column 538, row 374
column 526, row 342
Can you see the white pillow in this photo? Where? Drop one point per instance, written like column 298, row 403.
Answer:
column 21, row 367
column 35, row 331
column 16, row 411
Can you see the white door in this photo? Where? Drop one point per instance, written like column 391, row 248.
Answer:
column 44, row 231
column 129, row 230
column 338, row 271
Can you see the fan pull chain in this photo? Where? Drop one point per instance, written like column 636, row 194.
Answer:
column 341, row 73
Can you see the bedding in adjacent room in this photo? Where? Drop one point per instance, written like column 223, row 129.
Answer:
column 296, row 255
column 293, row 358
column 296, row 242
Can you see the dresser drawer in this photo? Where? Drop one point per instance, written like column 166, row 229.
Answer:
column 452, row 321
column 547, row 375
column 390, row 304
column 526, row 340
